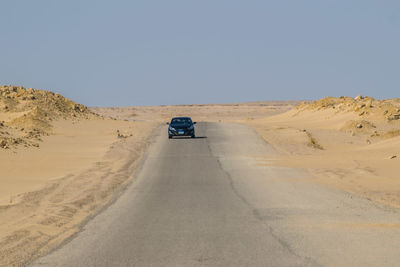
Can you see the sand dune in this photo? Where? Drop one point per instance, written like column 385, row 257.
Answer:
column 27, row 115
column 358, row 144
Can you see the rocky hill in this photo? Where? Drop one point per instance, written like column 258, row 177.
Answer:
column 376, row 118
column 27, row 114
column 388, row 109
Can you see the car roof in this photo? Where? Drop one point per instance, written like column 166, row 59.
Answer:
column 181, row 118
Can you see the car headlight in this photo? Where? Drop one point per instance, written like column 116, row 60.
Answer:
column 191, row 127
column 172, row 128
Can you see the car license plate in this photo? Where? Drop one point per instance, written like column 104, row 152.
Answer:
column 181, row 132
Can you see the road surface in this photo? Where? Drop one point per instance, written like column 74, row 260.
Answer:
column 211, row 201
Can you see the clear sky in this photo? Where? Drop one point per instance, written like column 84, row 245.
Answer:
column 118, row 53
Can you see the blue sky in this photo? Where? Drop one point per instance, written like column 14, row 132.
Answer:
column 118, row 53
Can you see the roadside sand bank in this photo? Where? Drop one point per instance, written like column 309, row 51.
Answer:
column 60, row 164
column 351, row 144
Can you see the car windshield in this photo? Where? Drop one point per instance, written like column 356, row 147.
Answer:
column 181, row 121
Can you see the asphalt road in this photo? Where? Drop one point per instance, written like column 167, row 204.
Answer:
column 212, row 201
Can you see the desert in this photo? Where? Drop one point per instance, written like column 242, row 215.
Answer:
column 199, row 133
column 348, row 143
column 62, row 162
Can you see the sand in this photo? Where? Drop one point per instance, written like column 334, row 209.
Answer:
column 206, row 112
column 59, row 166
column 341, row 145
column 71, row 148
column 62, row 162
column 49, row 191
column 352, row 144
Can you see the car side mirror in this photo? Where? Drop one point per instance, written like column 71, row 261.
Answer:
column 194, row 122
column 167, row 123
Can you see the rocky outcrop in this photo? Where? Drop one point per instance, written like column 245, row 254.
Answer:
column 31, row 113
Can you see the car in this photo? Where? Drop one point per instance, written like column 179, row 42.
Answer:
column 181, row 126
